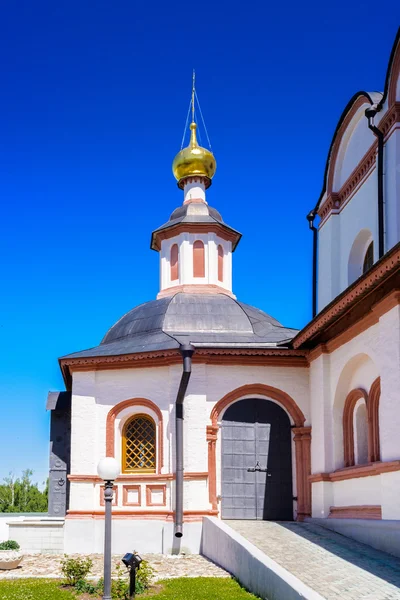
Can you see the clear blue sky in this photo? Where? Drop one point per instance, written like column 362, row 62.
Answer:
column 93, row 101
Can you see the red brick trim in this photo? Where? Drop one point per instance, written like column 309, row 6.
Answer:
column 135, row 402
column 336, row 201
column 138, row 478
column 382, row 269
column 394, row 76
column 195, row 288
column 149, row 490
column 356, row 472
column 125, row 491
column 355, row 512
column 302, row 439
column 360, row 101
column 348, row 425
column 391, row 117
column 373, row 421
column 220, row 230
column 152, row 514
column 259, row 389
column 212, row 436
column 226, row 356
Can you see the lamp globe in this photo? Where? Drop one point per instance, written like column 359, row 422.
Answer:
column 108, row 468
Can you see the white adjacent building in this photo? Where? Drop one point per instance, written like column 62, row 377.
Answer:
column 274, row 423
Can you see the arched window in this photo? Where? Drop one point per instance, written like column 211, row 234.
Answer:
column 198, row 259
column 360, row 424
column 174, row 262
column 358, row 263
column 368, row 258
column 354, row 423
column 139, row 445
column 220, row 263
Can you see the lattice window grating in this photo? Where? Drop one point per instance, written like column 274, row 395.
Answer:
column 140, row 444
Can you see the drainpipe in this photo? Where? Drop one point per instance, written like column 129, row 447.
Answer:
column 310, row 219
column 370, row 114
column 186, row 351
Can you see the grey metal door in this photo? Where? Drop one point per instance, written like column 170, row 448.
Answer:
column 256, row 462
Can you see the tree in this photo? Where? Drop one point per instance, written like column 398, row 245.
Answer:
column 22, row 495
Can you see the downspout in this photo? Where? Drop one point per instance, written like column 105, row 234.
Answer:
column 370, row 114
column 310, row 219
column 186, row 351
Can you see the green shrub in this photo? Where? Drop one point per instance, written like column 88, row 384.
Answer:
column 120, row 584
column 84, row 587
column 144, row 577
column 75, row 569
column 9, row 545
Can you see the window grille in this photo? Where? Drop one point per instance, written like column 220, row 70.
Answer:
column 139, row 445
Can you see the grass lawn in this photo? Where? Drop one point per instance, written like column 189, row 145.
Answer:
column 199, row 588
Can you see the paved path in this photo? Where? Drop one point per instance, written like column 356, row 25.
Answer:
column 333, row 565
column 166, row 567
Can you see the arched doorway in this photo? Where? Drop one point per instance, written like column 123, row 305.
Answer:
column 256, row 462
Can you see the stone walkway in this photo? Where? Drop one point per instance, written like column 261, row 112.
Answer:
column 331, row 564
column 166, row 567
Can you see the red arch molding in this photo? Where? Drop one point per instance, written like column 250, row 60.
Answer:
column 302, row 439
column 110, row 426
column 264, row 390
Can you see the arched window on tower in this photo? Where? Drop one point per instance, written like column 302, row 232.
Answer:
column 174, row 262
column 139, row 445
column 220, row 263
column 368, row 258
column 198, row 259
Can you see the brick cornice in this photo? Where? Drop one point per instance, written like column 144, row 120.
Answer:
column 360, row 101
column 365, row 284
column 137, row 478
column 227, row 356
column 391, row 117
column 220, row 229
column 195, row 288
column 356, row 472
column 337, row 200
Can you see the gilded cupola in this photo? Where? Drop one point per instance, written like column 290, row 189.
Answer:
column 194, row 160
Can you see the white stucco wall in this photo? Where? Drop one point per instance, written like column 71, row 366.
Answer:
column 185, row 243
column 356, row 364
column 338, row 233
column 95, row 393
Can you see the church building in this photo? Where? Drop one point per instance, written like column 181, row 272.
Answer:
column 214, row 408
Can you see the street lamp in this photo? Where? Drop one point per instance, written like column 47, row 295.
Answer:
column 108, row 469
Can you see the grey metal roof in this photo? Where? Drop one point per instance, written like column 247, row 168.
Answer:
column 194, row 212
column 209, row 320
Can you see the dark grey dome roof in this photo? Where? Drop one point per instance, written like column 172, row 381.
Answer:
column 195, row 212
column 210, row 320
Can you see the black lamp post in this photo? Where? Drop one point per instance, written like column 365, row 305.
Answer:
column 132, row 562
column 108, row 470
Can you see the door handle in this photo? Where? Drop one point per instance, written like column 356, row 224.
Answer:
column 258, row 468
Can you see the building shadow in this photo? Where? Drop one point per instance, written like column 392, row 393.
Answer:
column 378, row 563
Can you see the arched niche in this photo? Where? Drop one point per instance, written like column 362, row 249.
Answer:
column 358, row 374
column 357, row 255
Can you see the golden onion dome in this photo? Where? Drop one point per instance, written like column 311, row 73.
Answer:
column 194, row 160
